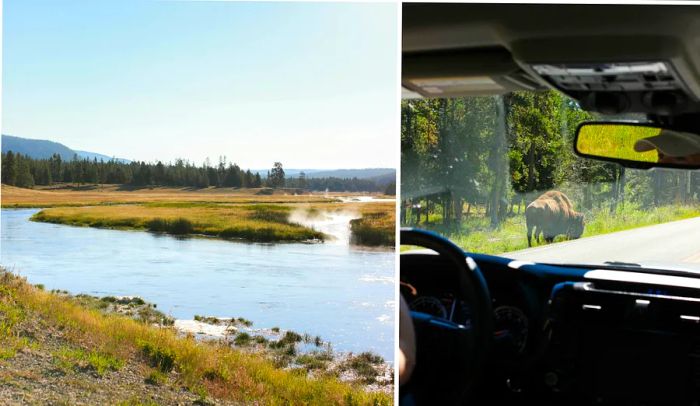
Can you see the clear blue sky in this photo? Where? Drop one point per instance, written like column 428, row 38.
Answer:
column 313, row 85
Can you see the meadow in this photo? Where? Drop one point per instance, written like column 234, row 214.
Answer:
column 100, row 350
column 90, row 195
column 475, row 234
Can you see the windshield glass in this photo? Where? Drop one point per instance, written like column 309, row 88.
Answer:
column 498, row 175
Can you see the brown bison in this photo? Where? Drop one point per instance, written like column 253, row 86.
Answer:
column 552, row 214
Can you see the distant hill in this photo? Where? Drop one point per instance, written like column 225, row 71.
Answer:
column 353, row 173
column 292, row 172
column 385, row 179
column 44, row 149
column 366, row 173
column 93, row 155
column 37, row 149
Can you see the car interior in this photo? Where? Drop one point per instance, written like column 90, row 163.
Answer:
column 492, row 330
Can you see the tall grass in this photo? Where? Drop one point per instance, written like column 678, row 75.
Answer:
column 210, row 368
column 475, row 234
column 376, row 227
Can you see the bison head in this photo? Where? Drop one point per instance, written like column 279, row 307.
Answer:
column 576, row 226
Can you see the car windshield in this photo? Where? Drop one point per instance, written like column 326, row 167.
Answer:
column 498, row 175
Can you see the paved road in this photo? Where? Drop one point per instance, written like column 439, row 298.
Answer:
column 674, row 242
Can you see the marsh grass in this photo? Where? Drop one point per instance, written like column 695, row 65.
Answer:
column 260, row 223
column 474, row 234
column 376, row 227
column 364, row 365
column 210, row 369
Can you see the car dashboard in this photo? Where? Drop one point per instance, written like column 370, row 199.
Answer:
column 571, row 335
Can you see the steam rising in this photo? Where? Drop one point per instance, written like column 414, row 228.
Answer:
column 335, row 224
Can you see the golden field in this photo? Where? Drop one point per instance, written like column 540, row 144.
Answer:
column 114, row 194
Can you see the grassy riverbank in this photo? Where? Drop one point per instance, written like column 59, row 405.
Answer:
column 56, row 350
column 250, row 222
column 260, row 215
column 376, row 227
column 474, row 234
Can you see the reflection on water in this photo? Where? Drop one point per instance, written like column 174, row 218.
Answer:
column 341, row 293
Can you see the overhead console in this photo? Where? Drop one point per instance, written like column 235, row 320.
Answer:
column 613, row 59
column 615, row 75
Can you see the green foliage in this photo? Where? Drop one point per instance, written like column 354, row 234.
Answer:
column 79, row 359
column 156, row 377
column 242, row 339
column 275, row 178
column 364, row 365
column 161, row 357
column 22, row 171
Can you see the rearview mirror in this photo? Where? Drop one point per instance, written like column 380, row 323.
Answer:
column 638, row 145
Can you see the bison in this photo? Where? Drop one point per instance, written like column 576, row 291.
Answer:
column 552, row 214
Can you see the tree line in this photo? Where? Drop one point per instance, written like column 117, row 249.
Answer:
column 23, row 171
column 498, row 153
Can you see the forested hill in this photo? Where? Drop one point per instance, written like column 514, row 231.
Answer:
column 366, row 173
column 45, row 149
column 37, row 149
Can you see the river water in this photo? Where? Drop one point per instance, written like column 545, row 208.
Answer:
column 342, row 293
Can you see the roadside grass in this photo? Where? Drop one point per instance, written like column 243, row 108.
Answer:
column 205, row 368
column 474, row 234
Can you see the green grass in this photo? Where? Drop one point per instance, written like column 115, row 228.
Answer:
column 79, row 359
column 475, row 235
column 317, row 360
column 156, row 377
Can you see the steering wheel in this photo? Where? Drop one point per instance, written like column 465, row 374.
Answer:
column 449, row 355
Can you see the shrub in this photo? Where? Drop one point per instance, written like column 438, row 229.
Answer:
column 160, row 357
column 242, row 339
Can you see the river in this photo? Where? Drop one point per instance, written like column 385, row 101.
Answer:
column 344, row 294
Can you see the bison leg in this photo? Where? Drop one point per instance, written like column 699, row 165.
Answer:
column 529, row 235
